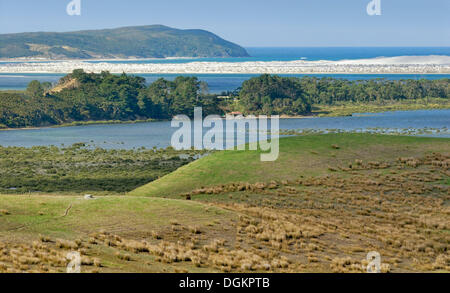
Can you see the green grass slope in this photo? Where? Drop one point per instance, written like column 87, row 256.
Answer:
column 29, row 216
column 299, row 156
column 39, row 231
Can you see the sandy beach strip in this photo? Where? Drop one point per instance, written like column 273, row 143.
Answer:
column 382, row 65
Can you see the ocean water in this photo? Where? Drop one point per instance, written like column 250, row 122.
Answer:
column 158, row 134
column 302, row 53
column 228, row 82
column 309, row 54
column 341, row 53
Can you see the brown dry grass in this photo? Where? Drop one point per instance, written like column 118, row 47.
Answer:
column 398, row 207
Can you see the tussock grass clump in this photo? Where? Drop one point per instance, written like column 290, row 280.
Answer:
column 156, row 235
column 330, row 222
column 214, row 254
column 195, row 229
column 66, row 244
column 442, row 262
column 40, row 256
column 122, row 256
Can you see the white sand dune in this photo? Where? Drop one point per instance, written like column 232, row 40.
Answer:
column 402, row 64
column 422, row 60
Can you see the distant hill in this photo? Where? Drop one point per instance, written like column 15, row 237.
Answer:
column 153, row 41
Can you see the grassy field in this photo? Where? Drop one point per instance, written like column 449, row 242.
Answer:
column 299, row 156
column 36, row 232
column 348, row 108
column 326, row 203
column 329, row 200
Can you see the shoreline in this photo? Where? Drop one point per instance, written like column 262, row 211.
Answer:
column 376, row 58
column 256, row 73
column 84, row 123
column 433, row 64
column 19, row 60
column 317, row 114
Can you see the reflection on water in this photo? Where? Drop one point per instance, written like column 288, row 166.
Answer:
column 158, row 134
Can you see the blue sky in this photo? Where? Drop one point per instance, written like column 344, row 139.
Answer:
column 250, row 22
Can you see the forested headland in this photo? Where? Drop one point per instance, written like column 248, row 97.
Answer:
column 83, row 97
column 148, row 41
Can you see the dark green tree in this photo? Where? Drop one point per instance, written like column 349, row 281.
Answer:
column 34, row 89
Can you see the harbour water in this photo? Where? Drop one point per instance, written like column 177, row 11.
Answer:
column 158, row 134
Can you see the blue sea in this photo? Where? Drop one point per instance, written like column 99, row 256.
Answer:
column 302, row 53
column 229, row 82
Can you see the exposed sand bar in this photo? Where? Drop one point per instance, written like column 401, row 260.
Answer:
column 383, row 65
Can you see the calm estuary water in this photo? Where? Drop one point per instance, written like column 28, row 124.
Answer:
column 158, row 134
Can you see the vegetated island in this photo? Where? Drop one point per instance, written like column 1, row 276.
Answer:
column 83, row 98
column 152, row 41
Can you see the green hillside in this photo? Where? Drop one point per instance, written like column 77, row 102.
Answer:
column 322, row 207
column 309, row 155
column 153, row 41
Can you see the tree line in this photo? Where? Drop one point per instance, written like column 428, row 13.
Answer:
column 271, row 95
column 82, row 96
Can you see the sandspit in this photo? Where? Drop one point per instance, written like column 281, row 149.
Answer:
column 381, row 65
